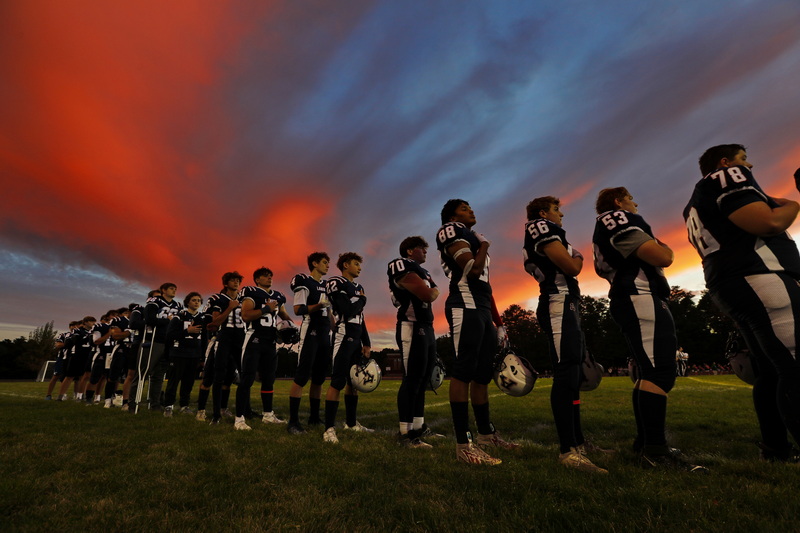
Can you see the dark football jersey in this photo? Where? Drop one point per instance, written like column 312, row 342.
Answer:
column 339, row 287
column 83, row 341
column 727, row 250
column 122, row 323
column 98, row 331
column 308, row 291
column 409, row 307
column 264, row 326
column 617, row 236
column 183, row 343
column 465, row 292
column 552, row 280
column 158, row 312
column 62, row 338
column 219, row 302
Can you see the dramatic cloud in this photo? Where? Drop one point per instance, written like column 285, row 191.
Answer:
column 157, row 141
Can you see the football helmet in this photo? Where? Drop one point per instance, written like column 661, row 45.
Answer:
column 592, row 373
column 437, row 374
column 514, row 375
column 288, row 332
column 739, row 358
column 366, row 375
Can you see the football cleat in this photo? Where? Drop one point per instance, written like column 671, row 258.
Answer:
column 295, row 429
column 48, row 397
column 201, row 416
column 227, row 413
column 409, row 440
column 215, row 421
column 241, row 425
column 495, row 440
column 107, row 404
column 186, row 410
column 670, row 460
column 117, row 400
column 787, row 455
column 474, row 455
column 359, row 428
column 427, row 433
column 168, row 412
column 589, row 447
column 270, row 418
column 575, row 459
column 330, row 436
column 125, row 407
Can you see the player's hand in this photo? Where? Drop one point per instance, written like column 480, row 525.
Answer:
column 482, row 238
column 366, row 351
column 233, row 304
column 272, row 304
column 502, row 337
column 194, row 329
column 797, row 179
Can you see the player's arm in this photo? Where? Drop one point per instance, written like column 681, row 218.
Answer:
column 366, row 345
column 345, row 308
column 301, row 306
column 473, row 265
column 656, row 253
column 557, row 253
column 217, row 317
column 283, row 314
column 417, row 286
column 118, row 334
column 100, row 339
column 249, row 312
column 758, row 218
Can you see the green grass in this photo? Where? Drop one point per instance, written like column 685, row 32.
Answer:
column 67, row 467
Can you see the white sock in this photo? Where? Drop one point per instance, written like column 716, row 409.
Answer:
column 405, row 427
column 418, row 421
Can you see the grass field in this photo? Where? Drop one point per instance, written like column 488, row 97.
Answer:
column 68, row 467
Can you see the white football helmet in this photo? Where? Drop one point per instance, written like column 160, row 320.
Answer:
column 437, row 375
column 514, row 375
column 592, row 373
column 366, row 375
column 288, row 332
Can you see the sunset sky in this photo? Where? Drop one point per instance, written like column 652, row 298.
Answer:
column 157, row 141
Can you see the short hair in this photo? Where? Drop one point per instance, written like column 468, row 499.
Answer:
column 263, row 271
column 167, row 285
column 711, row 157
column 346, row 258
column 606, row 197
column 103, row 317
column 112, row 312
column 74, row 323
column 449, row 209
column 88, row 319
column 316, row 257
column 190, row 296
column 153, row 293
column 132, row 306
column 543, row 203
column 409, row 243
column 227, row 276
column 122, row 310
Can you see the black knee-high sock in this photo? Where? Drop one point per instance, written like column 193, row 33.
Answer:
column 202, row 399
column 266, row 400
column 481, row 413
column 294, row 410
column 653, row 409
column 224, row 397
column 313, row 408
column 350, row 409
column 576, row 417
column 460, row 411
column 637, row 415
column 561, row 404
column 331, row 406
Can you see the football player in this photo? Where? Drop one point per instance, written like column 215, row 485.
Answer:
column 413, row 290
column 133, row 335
column 186, row 337
column 221, row 358
column 350, row 342
column 158, row 312
column 313, row 359
column 632, row 260
column 475, row 327
column 555, row 264
column 261, row 307
column 752, row 267
column 116, row 362
column 62, row 353
column 82, row 346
